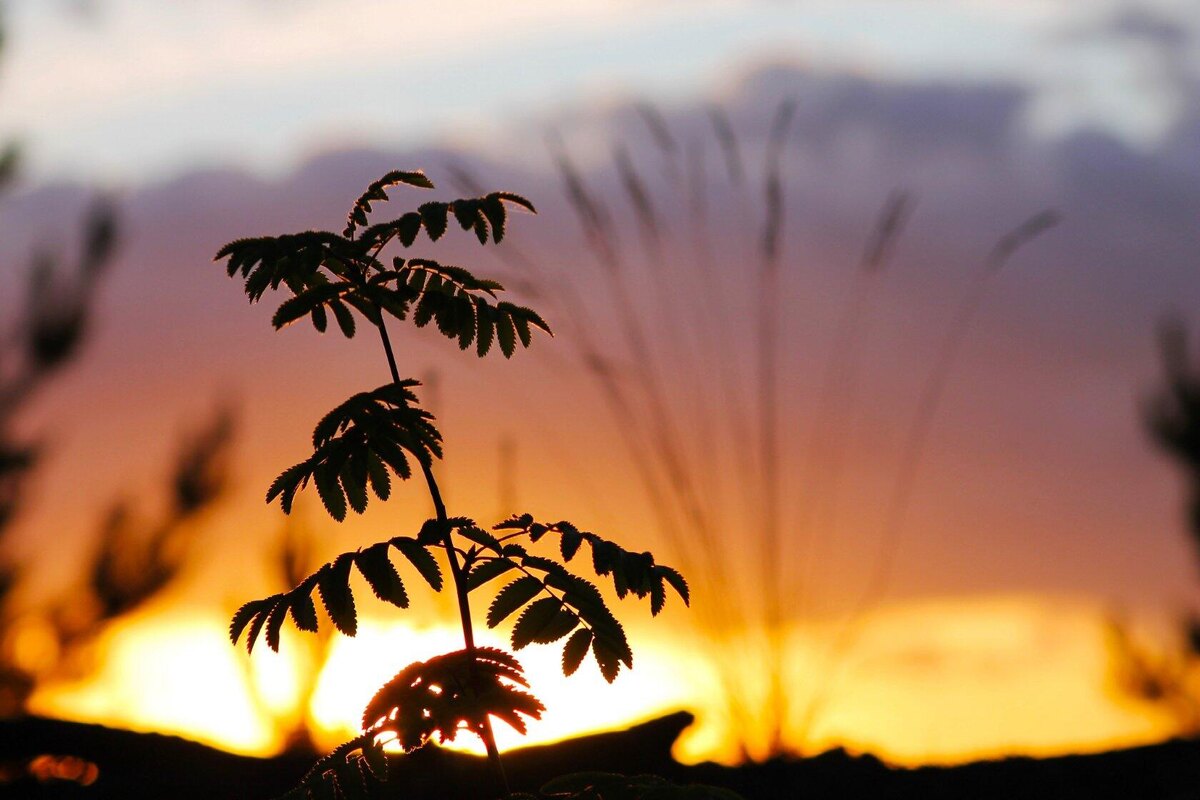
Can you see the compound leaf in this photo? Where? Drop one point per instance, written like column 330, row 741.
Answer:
column 275, row 623
column 676, row 580
column 512, row 597
column 509, row 197
column 658, row 598
column 243, row 616
column 287, row 484
column 376, row 566
column 486, row 570
column 420, row 557
column 505, row 334
column 377, row 473
column 536, row 618
column 304, row 611
column 448, row 693
column 515, row 522
column 575, row 649
column 330, row 491
column 408, row 227
column 569, row 540
column 333, row 584
column 433, row 216
column 378, row 191
column 466, row 212
column 480, row 537
column 345, row 319
column 354, row 481
column 607, row 657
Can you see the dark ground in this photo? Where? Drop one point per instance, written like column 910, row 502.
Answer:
column 134, row 765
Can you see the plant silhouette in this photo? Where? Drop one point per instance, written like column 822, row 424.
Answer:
column 679, row 370
column 44, row 332
column 1168, row 678
column 376, row 435
column 290, row 560
column 35, row 348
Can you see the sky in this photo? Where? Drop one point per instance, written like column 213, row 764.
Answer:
column 1038, row 505
column 139, row 90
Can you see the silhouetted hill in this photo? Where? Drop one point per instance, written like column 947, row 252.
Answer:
column 135, row 765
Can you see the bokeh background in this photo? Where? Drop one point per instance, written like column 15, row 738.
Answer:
column 956, row 494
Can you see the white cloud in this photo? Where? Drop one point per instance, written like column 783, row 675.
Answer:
column 139, row 50
column 145, row 87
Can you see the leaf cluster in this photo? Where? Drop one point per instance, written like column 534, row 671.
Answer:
column 458, row 304
column 378, row 191
column 448, row 693
column 480, row 215
column 331, row 275
column 332, row 583
column 357, row 770
column 555, row 603
column 357, row 445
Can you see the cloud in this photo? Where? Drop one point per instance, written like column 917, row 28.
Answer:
column 1142, row 24
column 1138, row 23
column 1037, row 474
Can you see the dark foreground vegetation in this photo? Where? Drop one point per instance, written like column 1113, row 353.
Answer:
column 135, row 765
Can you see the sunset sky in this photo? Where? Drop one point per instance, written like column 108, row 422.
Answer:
column 1038, row 503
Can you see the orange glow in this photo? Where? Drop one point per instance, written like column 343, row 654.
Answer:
column 952, row 681
column 583, row 703
column 172, row 674
column 938, row 681
column 66, row 768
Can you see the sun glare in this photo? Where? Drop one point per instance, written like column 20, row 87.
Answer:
column 583, row 703
column 941, row 681
column 172, row 673
column 953, row 681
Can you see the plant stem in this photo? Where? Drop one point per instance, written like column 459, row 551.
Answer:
column 456, row 572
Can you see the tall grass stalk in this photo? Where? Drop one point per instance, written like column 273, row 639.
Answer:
column 677, row 333
column 829, row 428
column 768, row 418
column 720, row 385
column 654, row 411
column 688, row 479
column 913, row 449
column 650, row 433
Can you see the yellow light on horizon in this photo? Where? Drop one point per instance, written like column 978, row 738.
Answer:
column 938, row 681
column 950, row 681
column 171, row 673
column 582, row 703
